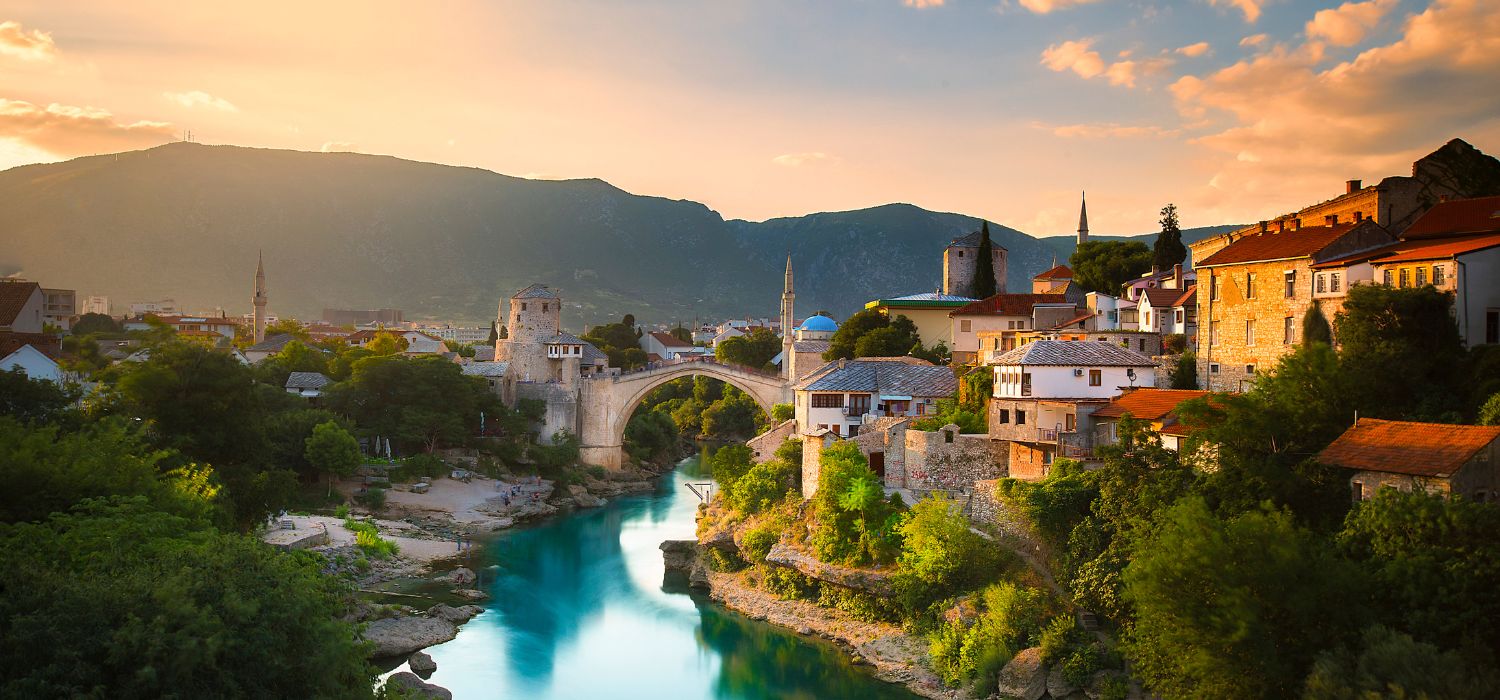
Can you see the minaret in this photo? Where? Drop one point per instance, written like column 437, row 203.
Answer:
column 787, row 320
column 259, row 300
column 1083, row 220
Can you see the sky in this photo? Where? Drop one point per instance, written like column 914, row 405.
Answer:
column 1235, row 110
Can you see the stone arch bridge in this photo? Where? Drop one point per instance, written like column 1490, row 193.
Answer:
column 606, row 402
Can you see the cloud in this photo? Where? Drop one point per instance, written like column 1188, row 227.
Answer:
column 1194, row 50
column 1253, row 40
column 1251, row 8
column 1042, row 7
column 337, row 146
column 797, row 160
column 1107, row 131
column 1075, row 56
column 1287, row 122
column 16, row 42
column 1349, row 23
column 198, row 98
column 68, row 131
column 922, row 4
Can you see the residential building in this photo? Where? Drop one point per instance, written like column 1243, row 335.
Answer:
column 928, row 311
column 33, row 362
column 842, row 395
column 308, row 385
column 162, row 306
column 96, row 305
column 362, row 317
column 270, row 346
column 1256, row 290
column 998, row 317
column 1145, row 343
column 188, row 326
column 1455, row 247
column 665, row 346
column 1052, row 281
column 1446, row 459
column 21, row 306
column 1175, row 278
column 1046, row 391
column 1105, row 308
column 466, row 335
column 961, row 262
column 1156, row 408
column 1166, row 311
column 59, row 306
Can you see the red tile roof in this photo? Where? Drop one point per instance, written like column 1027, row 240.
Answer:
column 1162, row 298
column 1400, row 447
column 1071, row 321
column 1007, row 305
column 1479, row 215
column 1301, row 243
column 1438, row 248
column 13, row 297
column 1147, row 404
column 1059, row 272
column 49, row 345
column 668, row 340
column 1187, row 298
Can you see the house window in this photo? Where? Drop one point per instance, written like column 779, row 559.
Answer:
column 544, row 308
column 1020, row 417
column 1492, row 326
column 1143, row 345
column 827, row 400
column 965, row 325
column 1213, row 332
column 960, row 253
column 1178, row 316
column 1288, row 331
column 1213, row 288
column 853, row 430
column 1250, row 332
column 948, row 436
column 1357, row 491
column 1096, row 377
column 1250, row 285
column 836, row 427
column 1003, row 416
column 1291, row 283
column 1213, row 368
column 1249, row 369
column 1318, row 283
column 1437, row 275
column 1421, row 277
column 1026, row 384
column 1333, row 282
column 1387, row 278
column 1405, row 277
column 523, row 306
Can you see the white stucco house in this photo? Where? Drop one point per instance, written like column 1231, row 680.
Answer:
column 35, row 364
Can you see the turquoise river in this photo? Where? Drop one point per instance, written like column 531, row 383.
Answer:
column 580, row 610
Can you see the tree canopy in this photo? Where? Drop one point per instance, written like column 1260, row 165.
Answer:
column 1105, row 266
column 984, row 265
column 1168, row 249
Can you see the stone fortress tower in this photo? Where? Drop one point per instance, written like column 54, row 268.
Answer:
column 543, row 362
column 961, row 258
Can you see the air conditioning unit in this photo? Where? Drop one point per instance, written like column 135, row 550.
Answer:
column 1078, row 373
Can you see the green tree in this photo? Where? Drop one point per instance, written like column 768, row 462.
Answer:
column 754, row 350
column 862, row 534
column 386, row 343
column 1389, row 664
column 937, row 547
column 33, row 400
column 295, row 356
column 734, row 416
column 1168, row 249
column 1381, row 328
column 1315, row 328
column 423, row 402
column 115, row 599
column 785, row 412
column 984, row 266
column 494, row 334
column 1233, row 608
column 870, row 333
column 681, row 333
column 1185, row 374
column 728, row 464
column 650, row 436
column 89, row 324
column 332, row 451
column 1435, row 562
column 1489, row 413
column 1105, row 266
column 288, row 326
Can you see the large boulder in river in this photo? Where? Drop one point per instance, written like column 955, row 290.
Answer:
column 865, row 580
column 1024, row 678
column 457, row 616
column 583, row 498
column 679, row 555
column 461, row 577
column 417, row 688
column 399, row 636
column 421, row 664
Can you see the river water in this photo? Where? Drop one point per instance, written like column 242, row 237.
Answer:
column 579, row 611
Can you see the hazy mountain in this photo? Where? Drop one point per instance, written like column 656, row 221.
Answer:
column 185, row 221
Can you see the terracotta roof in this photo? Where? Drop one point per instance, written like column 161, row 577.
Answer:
column 13, row 297
column 46, row 343
column 1188, row 297
column 1460, row 216
column 1301, row 243
column 1147, row 404
column 1161, row 298
column 1059, row 272
column 1400, row 447
column 1072, row 353
column 1071, row 321
column 1437, row 248
column 1007, row 305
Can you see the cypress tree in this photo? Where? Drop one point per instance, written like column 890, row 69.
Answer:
column 1169, row 249
column 494, row 334
column 984, row 268
column 1315, row 328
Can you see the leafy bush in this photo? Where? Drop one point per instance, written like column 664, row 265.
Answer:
column 852, row 523
column 372, row 498
column 762, row 486
column 1054, row 504
column 720, row 560
column 782, row 412
column 1060, row 635
column 786, row 584
column 949, row 411
column 757, row 540
column 1011, row 619
column 419, row 465
column 857, row 604
column 374, row 545
column 1173, row 343
column 342, row 511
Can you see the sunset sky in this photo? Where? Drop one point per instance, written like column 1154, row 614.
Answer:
column 1236, row 110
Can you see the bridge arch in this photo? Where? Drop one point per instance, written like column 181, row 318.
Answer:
column 607, row 402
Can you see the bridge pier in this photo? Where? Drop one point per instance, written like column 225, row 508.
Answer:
column 609, row 457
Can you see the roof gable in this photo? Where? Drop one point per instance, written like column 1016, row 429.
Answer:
column 1457, row 217
column 13, row 298
column 1008, row 304
column 1147, row 404
column 1402, row 447
column 1073, row 353
column 1059, row 272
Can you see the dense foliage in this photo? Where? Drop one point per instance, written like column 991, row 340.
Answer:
column 871, row 333
column 1105, row 266
column 984, row 265
column 754, row 349
column 621, row 341
column 1168, row 249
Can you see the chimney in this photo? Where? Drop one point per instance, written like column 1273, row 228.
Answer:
column 1351, row 186
column 1281, row 225
column 1177, row 274
column 1442, row 198
column 1263, row 227
column 1297, row 224
column 1359, row 216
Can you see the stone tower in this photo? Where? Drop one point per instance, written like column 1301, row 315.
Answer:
column 259, row 300
column 535, row 316
column 961, row 258
column 788, row 319
column 1083, row 220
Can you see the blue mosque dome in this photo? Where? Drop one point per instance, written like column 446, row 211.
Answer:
column 819, row 323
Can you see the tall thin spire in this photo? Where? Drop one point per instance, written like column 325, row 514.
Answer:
column 788, row 286
column 1083, row 219
column 787, row 319
column 258, row 301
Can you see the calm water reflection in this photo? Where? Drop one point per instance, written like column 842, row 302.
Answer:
column 580, row 611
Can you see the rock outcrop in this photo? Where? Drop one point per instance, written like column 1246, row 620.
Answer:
column 583, row 498
column 399, row 636
column 457, row 616
column 1024, row 678
column 1058, row 685
column 849, row 577
column 683, row 556
column 421, row 664
column 416, row 687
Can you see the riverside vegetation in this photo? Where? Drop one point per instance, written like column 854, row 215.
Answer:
column 1237, row 568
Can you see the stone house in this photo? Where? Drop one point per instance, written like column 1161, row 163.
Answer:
column 763, row 446
column 665, row 345
column 961, row 260
column 1447, row 459
column 808, row 343
column 947, row 460
column 1046, row 392
column 997, row 319
column 1255, row 291
column 841, row 396
column 1157, row 408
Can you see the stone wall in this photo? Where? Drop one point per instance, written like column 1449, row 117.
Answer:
column 988, row 509
column 946, row 459
column 562, row 408
column 886, row 435
column 763, row 446
column 812, row 461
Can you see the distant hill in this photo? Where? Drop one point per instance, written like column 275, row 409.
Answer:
column 358, row 231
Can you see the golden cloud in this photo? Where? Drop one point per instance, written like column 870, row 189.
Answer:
column 34, row 45
column 1043, row 7
column 199, row 98
column 67, row 130
column 1349, row 23
column 1251, row 8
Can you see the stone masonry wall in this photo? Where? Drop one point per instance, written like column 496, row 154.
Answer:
column 763, row 446
column 946, row 459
